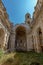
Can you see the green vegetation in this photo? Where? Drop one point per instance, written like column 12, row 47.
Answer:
column 21, row 58
column 1, row 53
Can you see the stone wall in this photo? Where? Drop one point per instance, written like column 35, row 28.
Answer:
column 38, row 24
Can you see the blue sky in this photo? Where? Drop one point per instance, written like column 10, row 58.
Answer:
column 17, row 9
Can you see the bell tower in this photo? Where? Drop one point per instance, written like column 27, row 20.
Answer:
column 27, row 18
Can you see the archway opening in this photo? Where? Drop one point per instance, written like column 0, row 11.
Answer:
column 40, row 38
column 1, row 38
column 20, row 41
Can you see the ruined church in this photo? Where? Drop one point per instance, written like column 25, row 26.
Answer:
column 26, row 36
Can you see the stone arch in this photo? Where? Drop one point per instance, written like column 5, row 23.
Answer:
column 2, row 34
column 20, row 39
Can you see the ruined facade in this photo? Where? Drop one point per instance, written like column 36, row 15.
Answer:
column 4, row 27
column 26, row 36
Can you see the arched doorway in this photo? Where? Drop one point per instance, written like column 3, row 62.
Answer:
column 40, row 38
column 20, row 41
column 2, row 35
